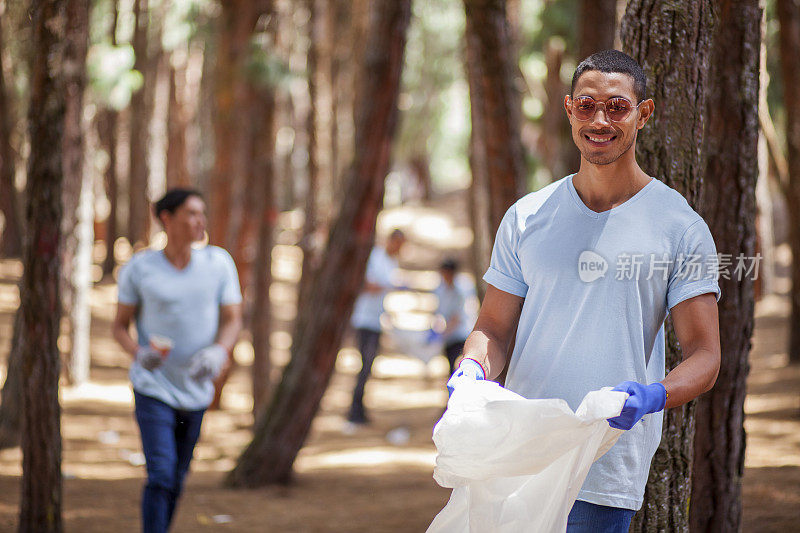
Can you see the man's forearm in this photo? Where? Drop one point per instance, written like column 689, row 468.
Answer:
column 487, row 350
column 695, row 375
column 228, row 333
column 123, row 337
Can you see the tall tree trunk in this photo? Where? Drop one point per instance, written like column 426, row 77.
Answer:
column 138, row 170
column 731, row 172
column 40, row 302
column 322, row 319
column 264, row 150
column 788, row 14
column 597, row 26
column 310, row 223
column 177, row 170
column 11, row 406
column 78, row 210
column 11, row 236
column 498, row 104
column 107, row 128
column 238, row 21
column 672, row 44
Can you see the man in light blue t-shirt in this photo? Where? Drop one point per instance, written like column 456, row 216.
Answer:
column 186, row 304
column 583, row 274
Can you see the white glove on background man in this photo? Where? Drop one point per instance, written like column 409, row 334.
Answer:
column 208, row 362
column 148, row 358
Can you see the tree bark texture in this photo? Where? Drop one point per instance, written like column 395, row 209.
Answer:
column 177, row 163
column 731, row 153
column 11, row 237
column 322, row 319
column 11, row 406
column 597, row 20
column 107, row 128
column 672, row 43
column 77, row 196
column 237, row 23
column 497, row 103
column 138, row 169
column 788, row 14
column 40, row 507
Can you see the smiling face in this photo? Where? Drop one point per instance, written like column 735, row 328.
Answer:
column 188, row 222
column 601, row 141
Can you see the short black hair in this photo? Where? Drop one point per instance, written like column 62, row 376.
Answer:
column 397, row 234
column 613, row 61
column 173, row 199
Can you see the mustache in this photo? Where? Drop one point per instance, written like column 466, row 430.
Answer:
column 606, row 131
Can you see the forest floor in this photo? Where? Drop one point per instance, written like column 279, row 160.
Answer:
column 375, row 479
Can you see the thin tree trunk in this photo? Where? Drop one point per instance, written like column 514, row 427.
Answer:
column 672, row 44
column 107, row 126
column 597, row 26
column 177, row 169
column 11, row 236
column 264, row 150
column 40, row 302
column 322, row 320
column 11, row 406
column 138, row 173
column 238, row 21
column 310, row 223
column 498, row 104
column 78, row 213
column 731, row 148
column 788, row 14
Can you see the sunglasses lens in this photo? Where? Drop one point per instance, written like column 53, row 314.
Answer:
column 583, row 108
column 618, row 109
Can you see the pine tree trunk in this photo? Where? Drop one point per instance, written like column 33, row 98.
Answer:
column 11, row 406
column 672, row 44
column 597, row 20
column 138, row 169
column 78, row 214
column 107, row 129
column 40, row 302
column 731, row 172
column 322, row 320
column 177, row 169
column 498, row 103
column 11, row 236
column 264, row 144
column 788, row 14
column 238, row 20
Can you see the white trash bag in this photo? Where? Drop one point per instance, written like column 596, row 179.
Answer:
column 517, row 465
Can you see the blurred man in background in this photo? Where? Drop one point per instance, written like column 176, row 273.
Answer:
column 186, row 304
column 366, row 317
column 453, row 311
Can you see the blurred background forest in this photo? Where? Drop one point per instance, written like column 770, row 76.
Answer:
column 313, row 128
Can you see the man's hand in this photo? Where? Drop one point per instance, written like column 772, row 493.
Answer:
column 148, row 358
column 642, row 400
column 208, row 362
column 468, row 370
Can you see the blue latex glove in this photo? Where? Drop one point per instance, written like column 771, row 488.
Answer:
column 466, row 371
column 642, row 400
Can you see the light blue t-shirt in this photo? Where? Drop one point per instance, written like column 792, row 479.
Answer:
column 183, row 305
column 381, row 268
column 453, row 303
column 597, row 288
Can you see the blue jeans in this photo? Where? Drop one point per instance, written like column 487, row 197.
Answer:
column 587, row 517
column 168, row 439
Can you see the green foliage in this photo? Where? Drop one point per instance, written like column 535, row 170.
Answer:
column 112, row 79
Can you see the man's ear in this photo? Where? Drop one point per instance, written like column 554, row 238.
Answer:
column 646, row 110
column 567, row 107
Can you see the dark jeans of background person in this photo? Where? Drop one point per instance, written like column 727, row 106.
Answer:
column 368, row 346
column 588, row 517
column 452, row 350
column 168, row 439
